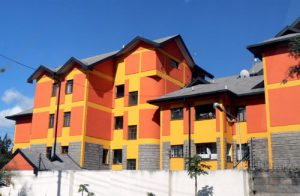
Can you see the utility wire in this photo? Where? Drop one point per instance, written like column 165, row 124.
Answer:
column 15, row 61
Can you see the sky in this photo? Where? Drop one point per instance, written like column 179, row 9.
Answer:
column 49, row 32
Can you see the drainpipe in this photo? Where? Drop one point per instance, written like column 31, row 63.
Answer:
column 189, row 129
column 54, row 156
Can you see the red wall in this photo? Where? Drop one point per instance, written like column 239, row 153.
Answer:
column 23, row 129
column 40, row 123
column 98, row 124
column 284, row 106
column 149, row 124
column 256, row 118
column 18, row 163
column 277, row 63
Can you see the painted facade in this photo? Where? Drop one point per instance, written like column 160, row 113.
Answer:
column 148, row 106
column 99, row 112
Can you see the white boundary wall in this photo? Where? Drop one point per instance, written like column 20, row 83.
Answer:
column 126, row 183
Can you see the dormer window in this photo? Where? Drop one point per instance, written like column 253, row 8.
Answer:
column 174, row 63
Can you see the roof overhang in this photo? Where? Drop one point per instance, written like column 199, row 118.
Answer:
column 260, row 48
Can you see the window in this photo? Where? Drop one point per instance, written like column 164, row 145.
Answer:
column 176, row 114
column 245, row 151
column 174, row 63
column 105, row 157
column 241, row 113
column 119, row 122
column 205, row 112
column 177, row 151
column 132, row 133
column 54, row 89
column 48, row 152
column 131, row 164
column 51, row 121
column 207, row 150
column 67, row 119
column 64, row 149
column 120, row 91
column 69, row 87
column 117, row 156
column 133, row 98
column 229, row 152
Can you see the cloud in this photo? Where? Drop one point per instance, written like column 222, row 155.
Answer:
column 18, row 103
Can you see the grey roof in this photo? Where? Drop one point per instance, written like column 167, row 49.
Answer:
column 164, row 39
column 27, row 112
column 284, row 36
column 95, row 59
column 256, row 69
column 39, row 161
column 88, row 63
column 233, row 84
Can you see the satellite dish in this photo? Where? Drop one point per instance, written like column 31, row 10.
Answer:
column 244, row 73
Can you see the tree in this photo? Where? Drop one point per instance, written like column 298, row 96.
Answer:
column 5, row 156
column 196, row 168
column 83, row 189
column 294, row 50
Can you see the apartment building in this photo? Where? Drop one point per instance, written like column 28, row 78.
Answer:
column 149, row 106
column 96, row 110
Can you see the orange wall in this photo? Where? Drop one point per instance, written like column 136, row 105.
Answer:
column 40, row 123
column 23, row 129
column 256, row 118
column 151, row 88
column 277, row 64
column 149, row 126
column 98, row 124
column 42, row 94
column 284, row 106
column 100, row 91
column 76, row 121
column 149, row 61
column 18, row 163
column 106, row 67
column 79, row 86
column 132, row 63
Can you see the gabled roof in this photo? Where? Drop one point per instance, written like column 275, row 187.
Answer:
column 283, row 37
column 234, row 85
column 40, row 162
column 89, row 63
column 20, row 114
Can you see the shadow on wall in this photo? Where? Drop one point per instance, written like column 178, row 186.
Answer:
column 206, row 191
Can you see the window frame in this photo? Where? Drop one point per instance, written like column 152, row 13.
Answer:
column 67, row 119
column 241, row 113
column 105, row 156
column 176, row 151
column 130, row 165
column 49, row 150
column 205, row 114
column 173, row 110
column 120, row 125
column 54, row 89
column 69, row 87
column 212, row 146
column 116, row 160
column 64, row 149
column 174, row 63
column 118, row 93
column 51, row 121
column 132, row 94
column 132, row 128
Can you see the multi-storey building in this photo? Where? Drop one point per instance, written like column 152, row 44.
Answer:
column 96, row 109
column 149, row 106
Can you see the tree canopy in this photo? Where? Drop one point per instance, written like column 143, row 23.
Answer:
column 294, row 50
